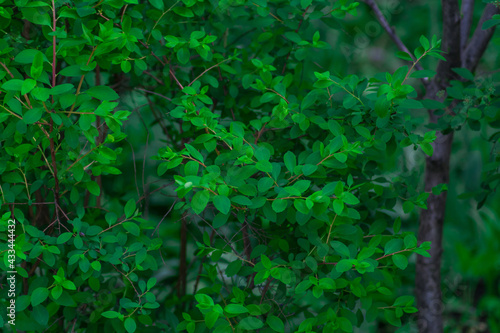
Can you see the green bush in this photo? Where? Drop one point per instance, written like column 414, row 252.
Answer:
column 287, row 178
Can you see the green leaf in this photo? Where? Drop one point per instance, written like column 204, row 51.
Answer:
column 397, row 225
column 28, row 56
column 309, row 100
column 93, row 188
column 464, row 72
column 222, row 203
column 103, row 93
column 158, row 4
column 312, row 263
column 408, row 206
column 424, row 42
column 132, row 228
column 411, row 104
column 391, row 318
column 423, row 73
column 194, row 153
column 490, row 23
column 62, row 89
column 265, row 184
column 345, row 324
column 130, row 325
column 28, row 85
column 410, row 241
column 130, row 208
column 279, row 205
column 241, row 200
column 63, row 238
column 350, row 199
column 309, row 169
column 403, row 55
column 39, row 295
column 183, row 55
column 13, row 85
column 211, row 318
column 344, row 265
column 40, row 314
column 110, row 314
column 233, row 268
column 71, row 71
column 400, row 261
column 200, row 201
column 56, row 292
column 262, row 154
column 37, row 66
column 393, row 245
column 235, row 309
column 264, row 166
column 250, row 324
column 341, row 248
column 303, row 286
column 183, row 11
column 382, row 106
column 341, row 157
column 204, row 299
column 266, row 261
column 33, row 115
column 96, row 265
column 67, row 284
column 384, row 291
column 275, row 323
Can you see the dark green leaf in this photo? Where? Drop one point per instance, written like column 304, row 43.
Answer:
column 103, row 93
column 200, row 201
column 222, row 203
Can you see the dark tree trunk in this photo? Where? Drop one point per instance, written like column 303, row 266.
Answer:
column 461, row 52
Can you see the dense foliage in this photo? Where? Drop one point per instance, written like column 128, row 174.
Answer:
column 287, row 178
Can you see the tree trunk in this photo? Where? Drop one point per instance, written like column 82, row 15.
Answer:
column 461, row 52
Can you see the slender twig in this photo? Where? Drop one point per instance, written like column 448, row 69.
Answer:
column 296, row 30
column 206, row 70
column 383, row 22
column 154, row 93
column 154, row 77
column 51, row 140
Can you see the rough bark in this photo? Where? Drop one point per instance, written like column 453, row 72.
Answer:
column 479, row 40
column 428, row 270
column 459, row 54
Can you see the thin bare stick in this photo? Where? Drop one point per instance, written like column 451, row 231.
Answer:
column 154, row 93
column 383, row 22
column 206, row 70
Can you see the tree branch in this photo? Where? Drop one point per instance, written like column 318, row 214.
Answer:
column 479, row 41
column 466, row 23
column 383, row 22
column 450, row 44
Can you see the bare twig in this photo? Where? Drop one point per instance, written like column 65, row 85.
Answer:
column 383, row 22
column 206, row 70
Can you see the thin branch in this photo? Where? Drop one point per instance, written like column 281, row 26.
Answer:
column 479, row 41
column 466, row 23
column 155, row 78
column 383, row 22
column 154, row 93
column 206, row 70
